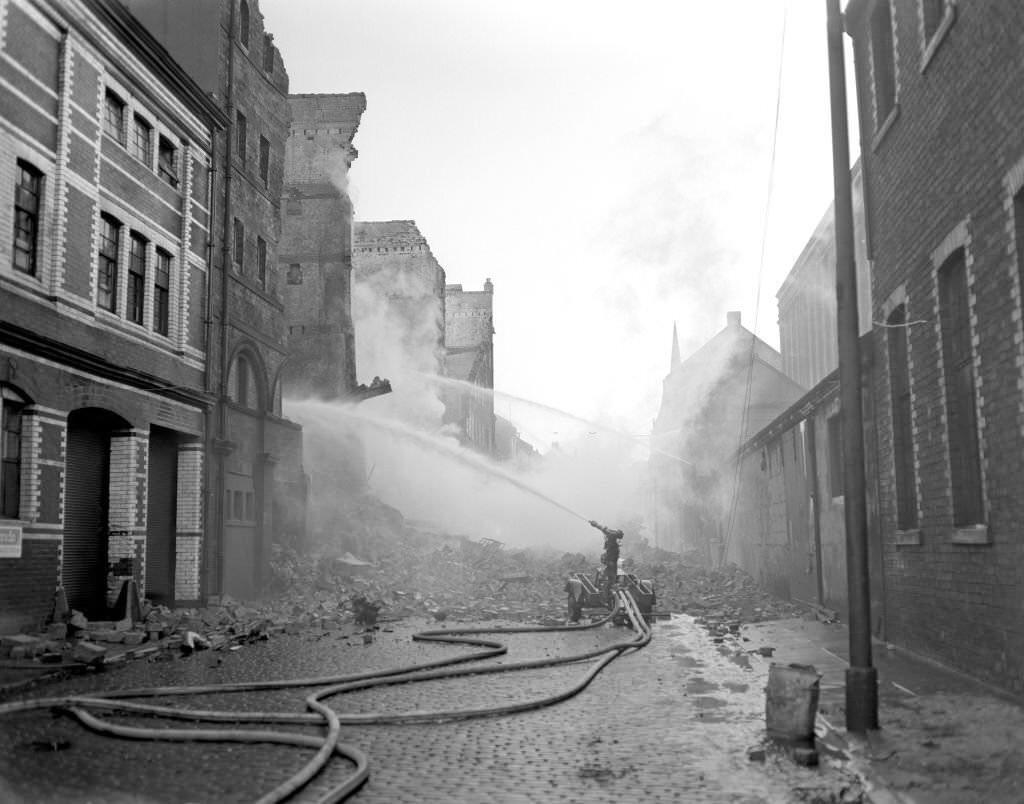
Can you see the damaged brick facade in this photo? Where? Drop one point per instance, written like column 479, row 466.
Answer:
column 399, row 288
column 469, row 357
column 316, row 245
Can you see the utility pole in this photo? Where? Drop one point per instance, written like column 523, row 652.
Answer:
column 861, row 676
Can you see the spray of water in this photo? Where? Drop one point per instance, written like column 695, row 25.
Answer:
column 462, row 385
column 432, row 443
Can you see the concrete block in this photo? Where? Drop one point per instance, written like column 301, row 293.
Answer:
column 134, row 637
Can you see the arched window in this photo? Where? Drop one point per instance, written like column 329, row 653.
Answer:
column 243, row 22
column 12, row 404
column 244, row 382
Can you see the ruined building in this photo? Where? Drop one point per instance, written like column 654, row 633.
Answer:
column 316, row 253
column 255, row 484
column 712, row 402
column 469, row 350
column 106, row 153
column 399, row 299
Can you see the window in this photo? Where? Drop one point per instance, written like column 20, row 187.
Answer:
column 265, row 161
column 167, row 162
column 106, row 274
column 268, row 53
column 902, row 435
column 961, row 411
column 162, row 293
column 27, row 192
column 240, row 134
column 136, row 278
column 142, row 141
column 835, row 455
column 883, row 61
column 11, row 409
column 242, row 380
column 261, row 262
column 113, row 116
column 243, row 23
column 239, row 252
column 295, row 274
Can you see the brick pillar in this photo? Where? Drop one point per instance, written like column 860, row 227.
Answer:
column 126, row 542
column 31, row 482
column 188, row 537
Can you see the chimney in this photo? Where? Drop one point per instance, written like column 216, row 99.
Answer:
column 488, row 285
column 732, row 318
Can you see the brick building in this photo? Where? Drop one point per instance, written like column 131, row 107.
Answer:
column 256, row 490
column 807, row 297
column 316, row 248
column 469, row 357
column 399, row 290
column 711, row 403
column 787, row 524
column 105, row 150
column 941, row 96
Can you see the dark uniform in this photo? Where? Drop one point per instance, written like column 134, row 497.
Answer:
column 609, row 558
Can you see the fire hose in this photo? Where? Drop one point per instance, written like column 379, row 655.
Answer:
column 321, row 714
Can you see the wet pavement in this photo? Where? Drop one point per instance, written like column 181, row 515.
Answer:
column 944, row 737
column 672, row 722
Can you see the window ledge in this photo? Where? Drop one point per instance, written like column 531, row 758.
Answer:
column 906, row 538
column 940, row 34
column 884, row 128
column 971, row 534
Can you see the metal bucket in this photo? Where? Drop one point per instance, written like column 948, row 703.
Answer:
column 792, row 702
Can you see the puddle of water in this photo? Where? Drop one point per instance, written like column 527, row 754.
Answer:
column 708, row 702
column 698, row 686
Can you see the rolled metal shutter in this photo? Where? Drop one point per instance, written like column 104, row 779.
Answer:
column 86, row 506
column 160, row 523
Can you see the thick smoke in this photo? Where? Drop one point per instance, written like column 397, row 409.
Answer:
column 418, row 465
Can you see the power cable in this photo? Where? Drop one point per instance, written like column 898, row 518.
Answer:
column 745, row 413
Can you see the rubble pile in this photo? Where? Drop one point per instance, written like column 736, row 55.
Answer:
column 382, row 568
column 460, row 580
column 722, row 599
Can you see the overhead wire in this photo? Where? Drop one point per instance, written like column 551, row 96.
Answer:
column 745, row 413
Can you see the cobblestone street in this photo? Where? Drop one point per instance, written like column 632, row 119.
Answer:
column 671, row 722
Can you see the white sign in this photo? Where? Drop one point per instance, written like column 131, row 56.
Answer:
column 10, row 541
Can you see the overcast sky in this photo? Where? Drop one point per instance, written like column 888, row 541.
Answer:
column 605, row 164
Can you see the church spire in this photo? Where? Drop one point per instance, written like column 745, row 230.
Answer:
column 675, row 348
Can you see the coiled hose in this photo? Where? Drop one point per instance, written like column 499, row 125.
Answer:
column 321, row 714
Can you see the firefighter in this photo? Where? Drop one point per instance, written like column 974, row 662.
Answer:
column 609, row 558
